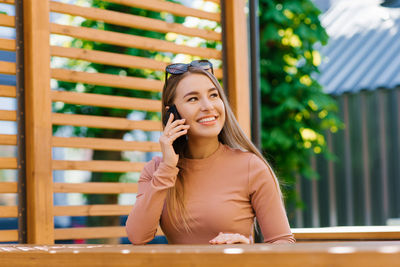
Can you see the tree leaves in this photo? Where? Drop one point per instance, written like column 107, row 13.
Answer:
column 292, row 100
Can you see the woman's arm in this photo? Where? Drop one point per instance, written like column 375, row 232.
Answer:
column 153, row 184
column 267, row 203
column 143, row 220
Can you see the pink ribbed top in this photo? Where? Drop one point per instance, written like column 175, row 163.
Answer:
column 223, row 193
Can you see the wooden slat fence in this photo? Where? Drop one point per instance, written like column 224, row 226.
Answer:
column 41, row 93
column 132, row 83
column 361, row 187
column 8, row 143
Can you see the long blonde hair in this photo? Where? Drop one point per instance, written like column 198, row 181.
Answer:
column 231, row 135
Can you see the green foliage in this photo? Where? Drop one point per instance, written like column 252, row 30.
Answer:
column 295, row 111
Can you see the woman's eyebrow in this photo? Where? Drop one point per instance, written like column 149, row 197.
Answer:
column 196, row 92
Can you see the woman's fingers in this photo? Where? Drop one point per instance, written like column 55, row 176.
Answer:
column 230, row 239
column 178, row 134
column 172, row 125
column 172, row 130
column 217, row 238
column 178, row 129
column 169, row 121
column 171, row 118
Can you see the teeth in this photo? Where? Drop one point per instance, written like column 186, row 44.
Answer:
column 207, row 119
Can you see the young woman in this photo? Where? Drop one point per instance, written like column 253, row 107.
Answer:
column 212, row 182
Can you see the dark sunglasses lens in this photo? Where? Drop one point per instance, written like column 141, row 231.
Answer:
column 204, row 64
column 177, row 68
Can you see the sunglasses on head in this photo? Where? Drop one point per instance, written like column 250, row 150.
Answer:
column 180, row 68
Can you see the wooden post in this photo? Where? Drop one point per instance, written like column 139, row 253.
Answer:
column 20, row 94
column 236, row 61
column 40, row 226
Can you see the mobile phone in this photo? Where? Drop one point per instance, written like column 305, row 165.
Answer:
column 180, row 142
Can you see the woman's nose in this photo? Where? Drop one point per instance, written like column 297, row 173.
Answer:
column 206, row 104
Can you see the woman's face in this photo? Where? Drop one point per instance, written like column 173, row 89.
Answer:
column 199, row 102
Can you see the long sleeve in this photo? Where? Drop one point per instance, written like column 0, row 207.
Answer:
column 267, row 203
column 154, row 181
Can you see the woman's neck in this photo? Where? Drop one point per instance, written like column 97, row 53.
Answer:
column 201, row 148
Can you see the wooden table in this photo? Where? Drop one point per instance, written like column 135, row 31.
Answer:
column 348, row 233
column 358, row 254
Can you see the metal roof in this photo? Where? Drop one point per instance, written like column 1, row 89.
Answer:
column 363, row 52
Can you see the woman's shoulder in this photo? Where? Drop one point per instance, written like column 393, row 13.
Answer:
column 239, row 154
column 253, row 160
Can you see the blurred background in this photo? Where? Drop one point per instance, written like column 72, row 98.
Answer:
column 330, row 107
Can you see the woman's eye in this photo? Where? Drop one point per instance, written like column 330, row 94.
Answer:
column 192, row 99
column 214, row 95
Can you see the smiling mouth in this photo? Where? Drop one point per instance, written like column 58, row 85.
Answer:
column 207, row 120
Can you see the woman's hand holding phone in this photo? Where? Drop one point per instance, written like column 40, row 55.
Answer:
column 173, row 129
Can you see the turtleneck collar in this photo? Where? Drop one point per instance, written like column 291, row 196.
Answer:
column 188, row 163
